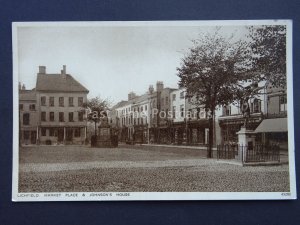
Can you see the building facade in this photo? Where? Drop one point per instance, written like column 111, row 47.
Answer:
column 169, row 117
column 27, row 116
column 189, row 120
column 231, row 119
column 160, row 116
column 137, row 118
column 59, row 114
column 274, row 127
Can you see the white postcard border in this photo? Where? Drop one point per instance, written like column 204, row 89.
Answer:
column 133, row 196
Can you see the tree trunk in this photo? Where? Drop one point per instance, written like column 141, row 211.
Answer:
column 95, row 128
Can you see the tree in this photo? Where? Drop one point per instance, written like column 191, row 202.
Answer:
column 95, row 109
column 268, row 49
column 210, row 72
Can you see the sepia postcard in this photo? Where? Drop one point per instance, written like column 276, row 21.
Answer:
column 156, row 110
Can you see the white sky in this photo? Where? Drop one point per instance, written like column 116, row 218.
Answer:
column 110, row 61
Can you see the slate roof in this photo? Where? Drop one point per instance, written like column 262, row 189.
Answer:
column 27, row 95
column 139, row 98
column 120, row 104
column 58, row 83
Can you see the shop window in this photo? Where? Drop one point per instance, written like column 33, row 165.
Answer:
column 77, row 132
column 43, row 131
column 26, row 135
column 51, row 132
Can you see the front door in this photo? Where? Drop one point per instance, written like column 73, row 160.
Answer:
column 33, row 137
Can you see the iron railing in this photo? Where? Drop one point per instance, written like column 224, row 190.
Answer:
column 244, row 153
column 227, row 151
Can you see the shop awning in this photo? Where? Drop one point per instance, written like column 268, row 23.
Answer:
column 272, row 125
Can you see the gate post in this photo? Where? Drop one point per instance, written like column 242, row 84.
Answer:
column 246, row 138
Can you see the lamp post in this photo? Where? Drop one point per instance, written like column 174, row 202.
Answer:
column 210, row 133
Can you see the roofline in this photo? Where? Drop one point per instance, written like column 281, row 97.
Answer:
column 62, row 91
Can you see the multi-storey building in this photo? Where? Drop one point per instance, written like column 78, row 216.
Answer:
column 171, row 117
column 59, row 102
column 131, row 118
column 121, row 120
column 160, row 121
column 27, row 116
column 189, row 121
column 231, row 119
column 274, row 128
column 138, row 118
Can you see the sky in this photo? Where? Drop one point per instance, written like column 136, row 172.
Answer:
column 110, row 61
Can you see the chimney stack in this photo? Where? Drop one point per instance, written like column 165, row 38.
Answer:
column 131, row 95
column 64, row 72
column 23, row 87
column 42, row 69
column 151, row 89
column 159, row 86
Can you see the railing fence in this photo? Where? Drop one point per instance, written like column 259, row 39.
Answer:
column 244, row 153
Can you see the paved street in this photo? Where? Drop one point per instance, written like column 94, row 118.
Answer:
column 140, row 168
